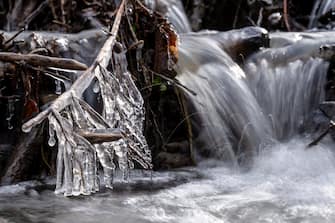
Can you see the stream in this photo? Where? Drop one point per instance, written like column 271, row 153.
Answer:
column 286, row 184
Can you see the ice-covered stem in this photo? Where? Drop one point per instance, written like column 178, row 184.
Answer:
column 81, row 84
column 101, row 137
column 45, row 61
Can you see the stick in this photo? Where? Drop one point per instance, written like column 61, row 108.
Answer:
column 285, row 12
column 94, row 137
column 323, row 134
column 80, row 85
column 14, row 36
column 173, row 81
column 35, row 13
column 44, row 61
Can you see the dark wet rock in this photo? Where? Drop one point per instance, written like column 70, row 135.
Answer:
column 177, row 147
column 25, row 159
column 5, row 150
column 166, row 160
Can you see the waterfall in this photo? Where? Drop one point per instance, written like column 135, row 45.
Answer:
column 232, row 117
column 174, row 12
column 271, row 98
column 320, row 8
column 288, row 93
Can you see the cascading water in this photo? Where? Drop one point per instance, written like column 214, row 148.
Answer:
column 232, row 117
column 288, row 94
column 174, row 11
column 320, row 8
column 272, row 99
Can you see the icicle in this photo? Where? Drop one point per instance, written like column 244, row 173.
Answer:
column 52, row 139
column 105, row 153
column 78, row 187
column 123, row 108
column 58, row 88
column 60, row 162
column 68, row 169
column 77, row 157
column 11, row 112
column 139, row 56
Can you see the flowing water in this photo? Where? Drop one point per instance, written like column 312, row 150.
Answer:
column 272, row 99
column 286, row 184
column 320, row 8
column 174, row 11
column 263, row 109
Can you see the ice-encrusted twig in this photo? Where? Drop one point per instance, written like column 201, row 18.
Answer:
column 101, row 137
column 84, row 137
column 44, row 61
column 81, row 84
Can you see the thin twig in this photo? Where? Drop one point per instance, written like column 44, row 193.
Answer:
column 62, row 11
column 236, row 13
column 156, row 125
column 183, row 106
column 135, row 45
column 285, row 12
column 35, row 13
column 14, row 36
column 143, row 6
column 173, row 81
column 322, row 135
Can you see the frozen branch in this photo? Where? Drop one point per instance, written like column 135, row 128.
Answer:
column 44, row 61
column 81, row 84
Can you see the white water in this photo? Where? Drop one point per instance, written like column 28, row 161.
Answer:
column 242, row 111
column 289, row 93
column 174, row 11
column 286, row 184
column 223, row 99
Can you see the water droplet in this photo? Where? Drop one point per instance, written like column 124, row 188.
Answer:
column 96, row 87
column 52, row 141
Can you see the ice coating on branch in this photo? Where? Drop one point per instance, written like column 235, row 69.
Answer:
column 123, row 110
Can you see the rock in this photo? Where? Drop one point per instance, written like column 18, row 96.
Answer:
column 177, row 147
column 4, row 154
column 167, row 160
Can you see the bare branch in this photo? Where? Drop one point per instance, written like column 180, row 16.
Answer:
column 44, row 61
column 96, row 137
